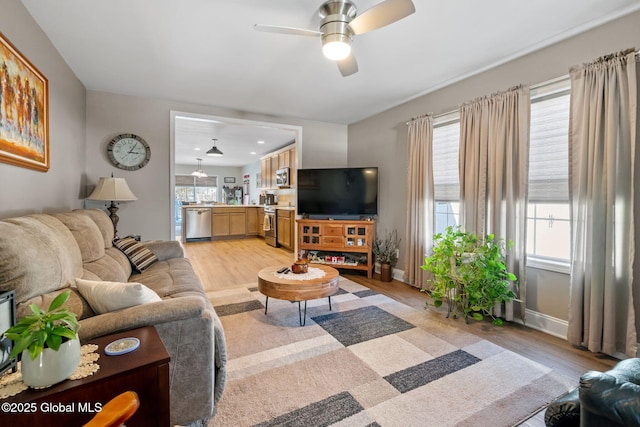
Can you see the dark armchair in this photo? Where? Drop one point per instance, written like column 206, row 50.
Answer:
column 611, row 398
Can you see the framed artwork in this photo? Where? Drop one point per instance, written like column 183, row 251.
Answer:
column 229, row 179
column 24, row 111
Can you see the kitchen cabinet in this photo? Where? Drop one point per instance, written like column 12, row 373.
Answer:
column 229, row 221
column 284, row 160
column 253, row 224
column 237, row 223
column 220, row 224
column 274, row 168
column 269, row 164
column 265, row 172
column 260, row 222
column 293, row 164
column 286, row 228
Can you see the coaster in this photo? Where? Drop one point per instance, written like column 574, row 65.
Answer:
column 122, row 346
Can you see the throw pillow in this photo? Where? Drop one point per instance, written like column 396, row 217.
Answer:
column 140, row 257
column 104, row 297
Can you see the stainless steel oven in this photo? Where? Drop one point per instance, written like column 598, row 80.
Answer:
column 270, row 226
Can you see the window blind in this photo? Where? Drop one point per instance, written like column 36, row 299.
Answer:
column 549, row 144
column 184, row 180
column 208, row 181
column 446, row 146
column 191, row 181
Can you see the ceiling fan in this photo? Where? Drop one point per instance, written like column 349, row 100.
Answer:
column 339, row 25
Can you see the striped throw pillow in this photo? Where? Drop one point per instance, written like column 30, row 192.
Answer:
column 140, row 257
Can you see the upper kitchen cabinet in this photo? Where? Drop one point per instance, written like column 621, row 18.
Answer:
column 269, row 165
column 265, row 172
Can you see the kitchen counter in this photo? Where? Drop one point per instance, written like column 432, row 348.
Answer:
column 220, row 206
column 227, row 221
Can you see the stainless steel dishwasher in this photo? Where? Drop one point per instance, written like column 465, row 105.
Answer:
column 198, row 224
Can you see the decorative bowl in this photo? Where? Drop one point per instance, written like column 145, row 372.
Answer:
column 300, row 267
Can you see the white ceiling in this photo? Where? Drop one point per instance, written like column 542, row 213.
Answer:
column 240, row 142
column 207, row 52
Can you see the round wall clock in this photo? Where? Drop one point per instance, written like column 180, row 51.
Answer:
column 128, row 151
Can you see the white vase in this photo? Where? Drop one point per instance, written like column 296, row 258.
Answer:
column 50, row 366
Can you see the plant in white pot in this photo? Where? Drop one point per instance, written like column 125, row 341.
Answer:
column 386, row 252
column 48, row 342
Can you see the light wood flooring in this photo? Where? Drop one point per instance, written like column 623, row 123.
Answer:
column 230, row 263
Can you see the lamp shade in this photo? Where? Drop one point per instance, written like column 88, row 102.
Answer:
column 114, row 189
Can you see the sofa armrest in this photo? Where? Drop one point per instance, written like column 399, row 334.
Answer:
column 564, row 411
column 165, row 249
column 609, row 400
column 164, row 311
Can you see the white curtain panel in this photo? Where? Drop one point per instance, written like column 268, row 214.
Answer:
column 419, row 232
column 602, row 140
column 494, row 173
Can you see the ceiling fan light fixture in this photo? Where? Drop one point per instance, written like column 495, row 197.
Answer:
column 336, row 50
column 214, row 151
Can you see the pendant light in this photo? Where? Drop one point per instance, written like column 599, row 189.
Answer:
column 199, row 173
column 214, row 151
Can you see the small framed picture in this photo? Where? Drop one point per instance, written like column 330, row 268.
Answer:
column 229, row 179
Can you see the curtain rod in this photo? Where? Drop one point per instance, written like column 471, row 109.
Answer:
column 534, row 86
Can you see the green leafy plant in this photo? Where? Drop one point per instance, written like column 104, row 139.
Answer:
column 469, row 273
column 42, row 329
column 386, row 250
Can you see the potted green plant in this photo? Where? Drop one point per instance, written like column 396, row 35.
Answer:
column 469, row 273
column 48, row 343
column 386, row 253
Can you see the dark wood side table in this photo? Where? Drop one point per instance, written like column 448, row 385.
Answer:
column 73, row 403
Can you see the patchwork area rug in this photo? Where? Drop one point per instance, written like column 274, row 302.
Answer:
column 370, row 361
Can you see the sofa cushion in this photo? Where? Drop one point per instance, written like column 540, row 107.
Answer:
column 86, row 233
column 76, row 304
column 104, row 297
column 38, row 255
column 141, row 257
column 114, row 266
column 171, row 278
column 103, row 222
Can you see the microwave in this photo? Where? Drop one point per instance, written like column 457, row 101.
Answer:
column 282, row 177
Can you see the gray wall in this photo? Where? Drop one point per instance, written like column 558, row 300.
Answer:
column 24, row 190
column 108, row 114
column 381, row 140
column 252, row 169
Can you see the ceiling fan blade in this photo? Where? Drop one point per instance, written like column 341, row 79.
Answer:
column 384, row 13
column 348, row 66
column 286, row 30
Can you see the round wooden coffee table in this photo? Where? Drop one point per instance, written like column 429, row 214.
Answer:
column 270, row 285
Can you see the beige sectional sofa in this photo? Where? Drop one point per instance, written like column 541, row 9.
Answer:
column 42, row 255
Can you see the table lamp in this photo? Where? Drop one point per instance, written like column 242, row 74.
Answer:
column 114, row 190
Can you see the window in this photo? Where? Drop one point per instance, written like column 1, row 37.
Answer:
column 446, row 145
column 548, row 219
column 188, row 188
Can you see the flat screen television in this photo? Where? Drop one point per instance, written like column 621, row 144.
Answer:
column 338, row 193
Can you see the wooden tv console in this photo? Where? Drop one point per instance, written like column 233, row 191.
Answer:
column 341, row 238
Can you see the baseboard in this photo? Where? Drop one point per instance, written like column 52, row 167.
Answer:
column 545, row 323
column 395, row 273
column 535, row 320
